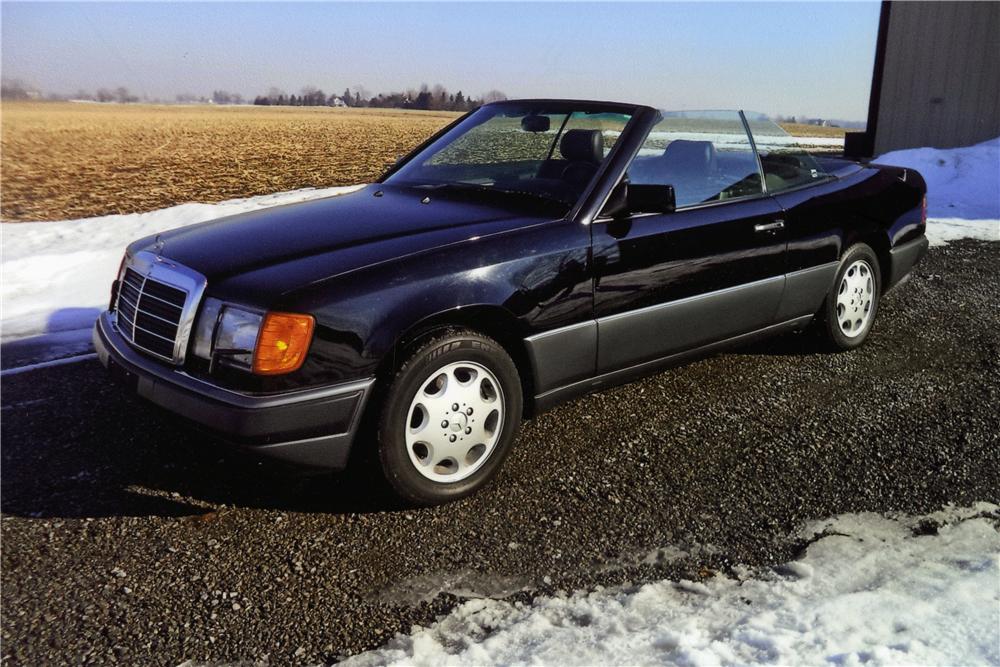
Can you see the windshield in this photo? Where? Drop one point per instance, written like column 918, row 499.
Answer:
column 540, row 151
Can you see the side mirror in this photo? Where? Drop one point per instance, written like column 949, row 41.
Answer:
column 651, row 199
column 631, row 198
column 535, row 123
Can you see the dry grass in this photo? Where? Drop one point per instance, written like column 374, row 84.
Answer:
column 64, row 160
column 802, row 130
column 79, row 160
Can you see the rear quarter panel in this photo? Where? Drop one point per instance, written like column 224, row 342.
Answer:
column 872, row 204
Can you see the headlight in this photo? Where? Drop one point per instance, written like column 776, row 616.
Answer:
column 236, row 337
column 264, row 343
column 204, row 330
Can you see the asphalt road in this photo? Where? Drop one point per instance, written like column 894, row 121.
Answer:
column 128, row 538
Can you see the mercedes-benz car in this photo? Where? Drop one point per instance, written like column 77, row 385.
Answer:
column 527, row 253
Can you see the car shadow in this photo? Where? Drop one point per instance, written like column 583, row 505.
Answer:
column 75, row 444
column 67, row 333
column 796, row 344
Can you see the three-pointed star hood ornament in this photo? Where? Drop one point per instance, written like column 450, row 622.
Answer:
column 158, row 248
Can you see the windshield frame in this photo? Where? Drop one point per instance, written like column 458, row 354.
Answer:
column 448, row 134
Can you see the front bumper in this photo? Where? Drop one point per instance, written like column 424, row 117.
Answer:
column 312, row 427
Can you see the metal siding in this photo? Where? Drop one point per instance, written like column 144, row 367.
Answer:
column 942, row 121
column 989, row 96
column 947, row 50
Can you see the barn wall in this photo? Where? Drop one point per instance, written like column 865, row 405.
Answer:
column 941, row 78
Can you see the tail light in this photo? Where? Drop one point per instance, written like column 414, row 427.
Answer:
column 923, row 211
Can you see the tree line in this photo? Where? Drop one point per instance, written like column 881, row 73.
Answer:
column 432, row 98
column 436, row 98
column 18, row 89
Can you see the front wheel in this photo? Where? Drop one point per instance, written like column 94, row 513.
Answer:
column 449, row 418
column 850, row 307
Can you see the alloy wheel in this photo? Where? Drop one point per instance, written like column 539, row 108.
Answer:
column 454, row 421
column 855, row 299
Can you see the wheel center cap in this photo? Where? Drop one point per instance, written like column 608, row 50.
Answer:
column 458, row 422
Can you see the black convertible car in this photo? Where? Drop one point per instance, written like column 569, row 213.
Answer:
column 527, row 253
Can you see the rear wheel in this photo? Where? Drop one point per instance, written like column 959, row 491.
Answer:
column 449, row 418
column 849, row 310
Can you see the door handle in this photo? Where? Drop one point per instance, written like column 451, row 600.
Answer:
column 769, row 227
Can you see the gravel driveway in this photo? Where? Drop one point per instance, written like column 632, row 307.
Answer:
column 129, row 538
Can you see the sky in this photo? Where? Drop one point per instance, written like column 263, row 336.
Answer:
column 801, row 58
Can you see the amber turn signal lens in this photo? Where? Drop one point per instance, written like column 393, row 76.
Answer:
column 283, row 343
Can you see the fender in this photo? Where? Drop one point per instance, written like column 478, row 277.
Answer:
column 535, row 279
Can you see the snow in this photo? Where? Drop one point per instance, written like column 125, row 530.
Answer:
column 62, row 361
column 963, row 189
column 870, row 589
column 57, row 275
column 736, row 141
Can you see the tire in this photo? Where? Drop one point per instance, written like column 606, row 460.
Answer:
column 432, row 453
column 848, row 313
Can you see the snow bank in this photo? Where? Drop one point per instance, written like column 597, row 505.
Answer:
column 57, row 275
column 870, row 590
column 963, row 189
column 737, row 141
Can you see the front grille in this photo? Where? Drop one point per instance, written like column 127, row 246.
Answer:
column 150, row 313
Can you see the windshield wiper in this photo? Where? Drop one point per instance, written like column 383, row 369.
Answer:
column 478, row 187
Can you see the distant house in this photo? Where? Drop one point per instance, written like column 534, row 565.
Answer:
column 338, row 102
column 936, row 80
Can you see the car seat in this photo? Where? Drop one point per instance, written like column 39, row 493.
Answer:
column 584, row 151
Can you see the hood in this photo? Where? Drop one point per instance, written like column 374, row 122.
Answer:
column 248, row 242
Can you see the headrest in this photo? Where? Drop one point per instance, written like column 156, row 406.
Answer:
column 582, row 146
column 690, row 154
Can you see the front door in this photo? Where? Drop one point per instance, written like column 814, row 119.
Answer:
column 711, row 270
